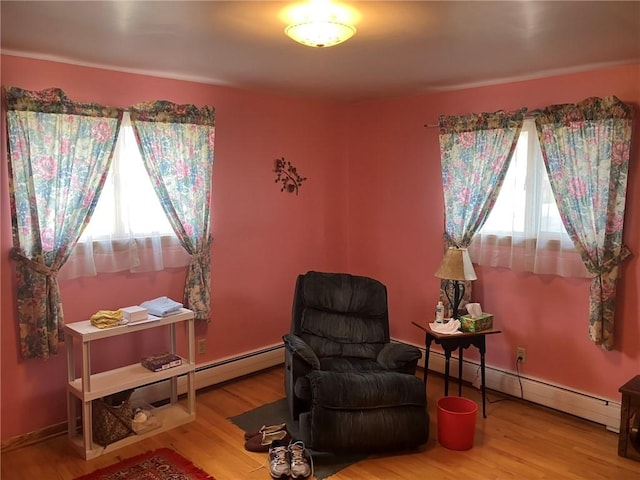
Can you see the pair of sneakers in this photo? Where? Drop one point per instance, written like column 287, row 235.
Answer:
column 289, row 460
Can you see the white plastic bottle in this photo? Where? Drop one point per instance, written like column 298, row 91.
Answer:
column 440, row 312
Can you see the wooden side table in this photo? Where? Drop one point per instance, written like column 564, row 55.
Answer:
column 629, row 437
column 459, row 342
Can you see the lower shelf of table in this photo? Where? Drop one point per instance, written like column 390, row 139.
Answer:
column 172, row 415
column 123, row 378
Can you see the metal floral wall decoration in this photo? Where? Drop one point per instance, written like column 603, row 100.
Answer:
column 287, row 176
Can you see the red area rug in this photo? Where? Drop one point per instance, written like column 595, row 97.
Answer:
column 161, row 464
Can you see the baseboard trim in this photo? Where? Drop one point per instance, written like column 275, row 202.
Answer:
column 599, row 410
column 580, row 404
column 34, row 437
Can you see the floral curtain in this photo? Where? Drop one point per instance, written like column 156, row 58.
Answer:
column 586, row 152
column 474, row 152
column 177, row 143
column 59, row 155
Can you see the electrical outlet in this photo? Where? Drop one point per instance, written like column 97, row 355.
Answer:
column 202, row 346
column 521, row 354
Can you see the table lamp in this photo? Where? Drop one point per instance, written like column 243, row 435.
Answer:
column 456, row 268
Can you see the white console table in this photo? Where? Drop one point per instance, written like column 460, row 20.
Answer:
column 91, row 386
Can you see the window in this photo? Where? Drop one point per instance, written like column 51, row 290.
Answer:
column 129, row 229
column 524, row 230
column 128, row 205
column 525, row 204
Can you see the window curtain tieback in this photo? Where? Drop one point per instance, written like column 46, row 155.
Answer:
column 204, row 252
column 18, row 254
column 610, row 264
column 449, row 241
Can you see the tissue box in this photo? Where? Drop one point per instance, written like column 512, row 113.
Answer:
column 470, row 324
column 134, row 313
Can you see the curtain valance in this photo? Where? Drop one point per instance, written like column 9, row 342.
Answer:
column 54, row 100
column 168, row 112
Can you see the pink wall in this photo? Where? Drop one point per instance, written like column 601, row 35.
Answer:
column 262, row 238
column 375, row 158
column 396, row 223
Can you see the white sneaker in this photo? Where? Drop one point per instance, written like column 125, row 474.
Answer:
column 299, row 456
column 279, row 460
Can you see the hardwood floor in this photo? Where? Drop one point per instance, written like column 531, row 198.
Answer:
column 517, row 440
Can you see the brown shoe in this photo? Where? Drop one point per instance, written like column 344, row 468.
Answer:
column 265, row 429
column 262, row 441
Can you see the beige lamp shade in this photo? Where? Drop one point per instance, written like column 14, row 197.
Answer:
column 456, row 265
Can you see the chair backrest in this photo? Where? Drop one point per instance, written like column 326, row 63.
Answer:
column 339, row 314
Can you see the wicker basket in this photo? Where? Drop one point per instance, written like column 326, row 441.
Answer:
column 112, row 418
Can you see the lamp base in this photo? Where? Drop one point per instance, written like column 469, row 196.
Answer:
column 454, row 290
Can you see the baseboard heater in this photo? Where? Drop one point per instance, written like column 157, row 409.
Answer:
column 599, row 410
column 218, row 371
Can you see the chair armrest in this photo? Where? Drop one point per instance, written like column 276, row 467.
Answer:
column 299, row 348
column 399, row 357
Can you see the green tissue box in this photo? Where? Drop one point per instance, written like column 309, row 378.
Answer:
column 470, row 324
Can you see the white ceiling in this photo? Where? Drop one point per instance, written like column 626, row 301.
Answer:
column 401, row 47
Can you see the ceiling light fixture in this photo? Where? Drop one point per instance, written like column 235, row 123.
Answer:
column 320, row 23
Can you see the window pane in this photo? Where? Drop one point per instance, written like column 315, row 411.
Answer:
column 525, row 204
column 128, row 205
column 508, row 213
column 550, row 220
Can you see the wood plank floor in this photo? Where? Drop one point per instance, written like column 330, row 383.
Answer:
column 517, row 440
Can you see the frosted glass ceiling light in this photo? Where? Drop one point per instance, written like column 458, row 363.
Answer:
column 320, row 24
column 320, row 34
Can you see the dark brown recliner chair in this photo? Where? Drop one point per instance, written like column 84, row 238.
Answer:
column 348, row 387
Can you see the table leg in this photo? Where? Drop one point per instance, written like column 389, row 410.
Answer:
column 447, row 356
column 460, row 355
column 483, row 349
column 87, row 426
column 427, row 342
column 624, row 425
